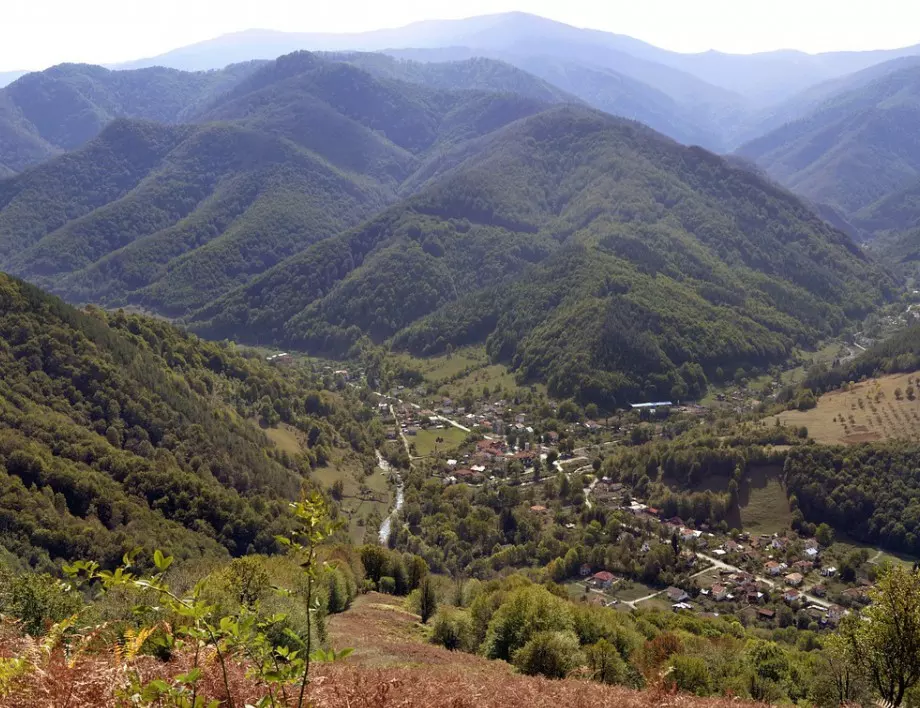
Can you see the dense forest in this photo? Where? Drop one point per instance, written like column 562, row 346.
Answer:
column 853, row 149
column 118, row 431
column 49, row 112
column 170, row 217
column 550, row 242
column 871, row 491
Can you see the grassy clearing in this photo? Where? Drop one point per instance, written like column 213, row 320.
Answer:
column 868, row 412
column 764, row 504
column 843, row 546
column 630, row 590
column 495, row 377
column 659, row 602
column 824, row 355
column 285, row 438
column 437, row 368
column 762, row 500
column 426, row 440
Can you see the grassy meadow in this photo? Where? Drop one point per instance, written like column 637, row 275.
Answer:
column 869, row 411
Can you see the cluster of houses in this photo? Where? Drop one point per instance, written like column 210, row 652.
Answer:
column 489, row 456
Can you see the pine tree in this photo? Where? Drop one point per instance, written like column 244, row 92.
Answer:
column 428, row 601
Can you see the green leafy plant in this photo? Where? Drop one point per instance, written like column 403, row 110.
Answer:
column 244, row 635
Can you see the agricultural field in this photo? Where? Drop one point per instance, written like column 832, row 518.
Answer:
column 877, row 409
column 426, row 441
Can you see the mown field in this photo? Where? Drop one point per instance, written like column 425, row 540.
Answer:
column 876, row 409
column 426, row 441
column 764, row 505
column 762, row 500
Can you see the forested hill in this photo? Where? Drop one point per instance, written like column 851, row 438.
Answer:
column 585, row 250
column 854, row 149
column 119, row 431
column 49, row 112
column 172, row 216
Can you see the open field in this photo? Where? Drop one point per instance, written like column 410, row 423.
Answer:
column 285, row 438
column 425, row 440
column 437, row 368
column 357, row 504
column 762, row 500
column 764, row 504
column 868, row 412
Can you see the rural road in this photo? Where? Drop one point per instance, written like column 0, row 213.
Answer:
column 454, row 423
column 722, row 565
column 766, row 581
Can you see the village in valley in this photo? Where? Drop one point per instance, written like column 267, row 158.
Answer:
column 551, row 454
column 774, row 580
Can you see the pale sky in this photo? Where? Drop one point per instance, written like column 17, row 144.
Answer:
column 35, row 34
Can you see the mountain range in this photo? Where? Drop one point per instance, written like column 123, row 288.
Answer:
column 321, row 199
column 764, row 78
column 713, row 99
column 431, row 196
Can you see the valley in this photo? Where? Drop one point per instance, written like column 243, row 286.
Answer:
column 474, row 361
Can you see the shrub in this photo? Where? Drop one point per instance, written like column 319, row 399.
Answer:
column 690, row 674
column 36, row 600
column 526, row 611
column 605, row 663
column 387, row 584
column 452, row 629
column 551, row 654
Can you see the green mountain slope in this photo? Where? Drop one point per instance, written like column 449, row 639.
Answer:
column 586, row 251
column 475, row 73
column 45, row 113
column 119, row 432
column 171, row 217
column 855, row 149
column 676, row 104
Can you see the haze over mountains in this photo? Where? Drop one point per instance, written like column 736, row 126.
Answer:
column 713, row 99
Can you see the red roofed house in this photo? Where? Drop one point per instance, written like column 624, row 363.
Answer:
column 604, row 579
column 490, row 447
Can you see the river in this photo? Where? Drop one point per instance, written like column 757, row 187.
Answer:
column 400, row 498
